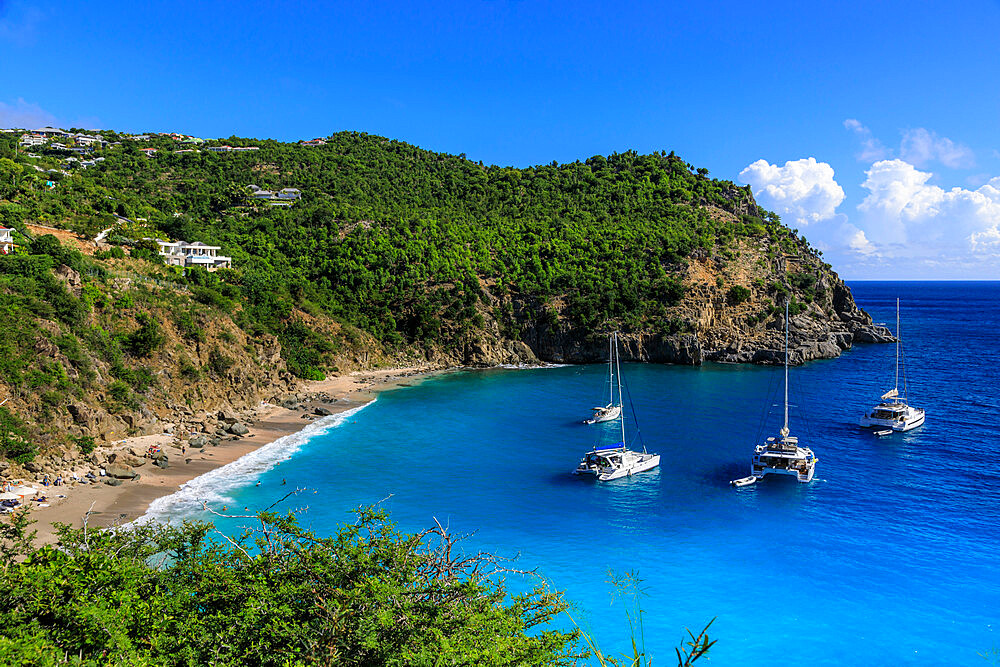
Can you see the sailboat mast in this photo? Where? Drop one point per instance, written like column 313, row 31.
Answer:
column 897, row 344
column 621, row 403
column 784, row 431
column 611, row 370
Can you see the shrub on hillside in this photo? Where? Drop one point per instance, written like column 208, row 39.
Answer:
column 738, row 294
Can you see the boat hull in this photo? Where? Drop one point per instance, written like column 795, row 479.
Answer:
column 648, row 462
column 899, row 425
column 611, row 415
column 642, row 463
column 803, row 477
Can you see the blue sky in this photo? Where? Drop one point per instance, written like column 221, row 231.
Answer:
column 876, row 122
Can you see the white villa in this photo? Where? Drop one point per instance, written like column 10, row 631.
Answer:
column 6, row 240
column 50, row 131
column 33, row 139
column 181, row 253
column 283, row 197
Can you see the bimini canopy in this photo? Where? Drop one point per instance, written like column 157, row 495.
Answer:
column 617, row 445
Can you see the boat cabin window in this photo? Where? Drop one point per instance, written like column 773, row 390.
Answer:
column 598, row 459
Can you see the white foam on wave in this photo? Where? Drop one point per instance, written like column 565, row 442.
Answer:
column 213, row 486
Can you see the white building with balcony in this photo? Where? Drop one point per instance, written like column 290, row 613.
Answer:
column 33, row 139
column 6, row 240
column 181, row 253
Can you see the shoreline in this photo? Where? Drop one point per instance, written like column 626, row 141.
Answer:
column 116, row 505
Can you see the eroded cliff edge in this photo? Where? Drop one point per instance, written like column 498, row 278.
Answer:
column 732, row 311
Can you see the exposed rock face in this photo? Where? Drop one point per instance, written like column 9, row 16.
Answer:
column 714, row 321
column 71, row 277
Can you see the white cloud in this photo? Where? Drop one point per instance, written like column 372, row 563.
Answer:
column 24, row 115
column 905, row 216
column 871, row 148
column 856, row 240
column 986, row 241
column 804, row 190
column 921, row 147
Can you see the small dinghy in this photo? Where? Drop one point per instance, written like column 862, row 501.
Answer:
column 744, row 481
column 882, row 434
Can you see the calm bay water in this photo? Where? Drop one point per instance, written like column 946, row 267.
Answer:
column 888, row 557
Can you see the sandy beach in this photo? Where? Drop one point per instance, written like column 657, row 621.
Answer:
column 113, row 505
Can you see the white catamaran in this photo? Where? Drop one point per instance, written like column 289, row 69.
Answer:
column 781, row 454
column 617, row 460
column 894, row 412
column 609, row 412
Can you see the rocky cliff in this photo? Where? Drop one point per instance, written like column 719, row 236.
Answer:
column 732, row 311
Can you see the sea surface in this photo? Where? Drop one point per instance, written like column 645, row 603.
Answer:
column 890, row 556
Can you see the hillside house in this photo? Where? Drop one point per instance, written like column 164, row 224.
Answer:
column 33, row 139
column 314, row 142
column 283, row 197
column 219, row 149
column 6, row 240
column 181, row 253
column 50, row 132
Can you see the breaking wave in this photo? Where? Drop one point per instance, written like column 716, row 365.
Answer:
column 213, row 486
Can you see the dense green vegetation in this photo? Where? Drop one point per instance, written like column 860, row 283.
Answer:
column 403, row 242
column 369, row 595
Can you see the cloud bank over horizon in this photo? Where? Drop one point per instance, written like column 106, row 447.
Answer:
column 906, row 222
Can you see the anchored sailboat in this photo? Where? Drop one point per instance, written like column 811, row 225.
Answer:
column 608, row 463
column 893, row 411
column 781, row 454
column 609, row 412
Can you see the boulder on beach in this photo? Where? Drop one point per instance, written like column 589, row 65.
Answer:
column 198, row 441
column 239, row 429
column 322, row 411
column 111, row 481
column 120, row 472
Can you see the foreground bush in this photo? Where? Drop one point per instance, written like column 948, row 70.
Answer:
column 369, row 595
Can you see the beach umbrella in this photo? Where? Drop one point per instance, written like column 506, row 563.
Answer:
column 24, row 490
column 7, row 495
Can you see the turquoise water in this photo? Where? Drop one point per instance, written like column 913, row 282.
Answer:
column 888, row 557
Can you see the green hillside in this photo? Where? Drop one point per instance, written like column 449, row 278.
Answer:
column 400, row 241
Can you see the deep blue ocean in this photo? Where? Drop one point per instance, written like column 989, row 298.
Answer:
column 890, row 556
